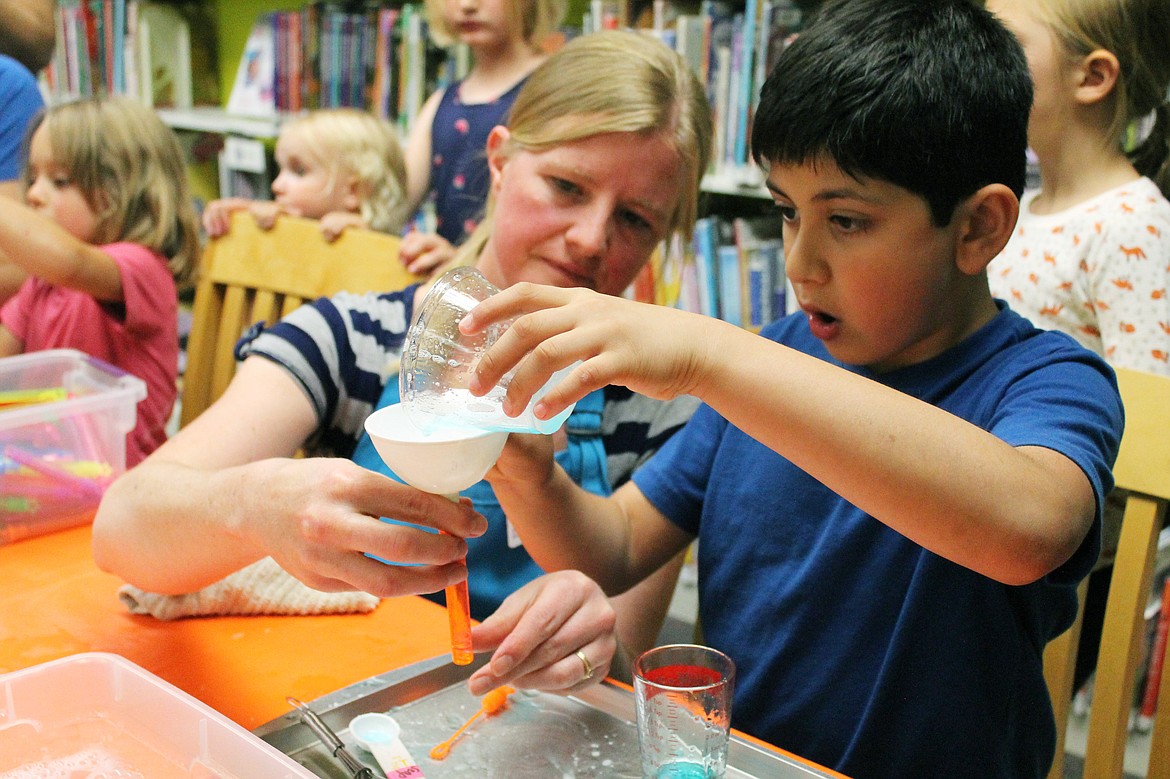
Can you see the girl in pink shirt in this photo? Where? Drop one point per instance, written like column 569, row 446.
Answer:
column 108, row 232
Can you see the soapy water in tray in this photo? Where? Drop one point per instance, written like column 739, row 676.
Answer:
column 538, row 735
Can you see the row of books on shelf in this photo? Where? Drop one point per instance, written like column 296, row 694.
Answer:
column 370, row 56
column 325, row 56
column 732, row 53
column 731, row 269
column 121, row 47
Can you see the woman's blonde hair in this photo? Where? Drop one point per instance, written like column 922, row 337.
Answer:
column 535, row 20
column 358, row 144
column 1136, row 32
column 611, row 82
column 131, row 171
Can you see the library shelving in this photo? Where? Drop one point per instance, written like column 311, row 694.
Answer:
column 189, row 59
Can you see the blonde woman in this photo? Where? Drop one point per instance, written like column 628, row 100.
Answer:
column 107, row 233
column 340, row 166
column 445, row 158
column 600, row 161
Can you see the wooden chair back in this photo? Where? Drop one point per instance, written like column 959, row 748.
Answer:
column 252, row 275
column 1143, row 470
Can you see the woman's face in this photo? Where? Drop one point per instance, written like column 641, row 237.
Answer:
column 582, row 214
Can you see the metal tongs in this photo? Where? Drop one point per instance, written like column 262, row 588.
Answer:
column 334, row 744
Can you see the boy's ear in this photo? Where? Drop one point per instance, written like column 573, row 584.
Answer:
column 1099, row 71
column 497, row 156
column 988, row 219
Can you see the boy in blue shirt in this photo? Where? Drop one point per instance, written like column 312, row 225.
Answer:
column 895, row 490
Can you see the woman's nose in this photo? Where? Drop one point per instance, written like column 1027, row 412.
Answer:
column 589, row 234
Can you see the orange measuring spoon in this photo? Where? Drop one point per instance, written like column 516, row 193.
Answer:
column 491, row 703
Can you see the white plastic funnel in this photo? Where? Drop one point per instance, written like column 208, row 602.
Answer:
column 443, row 461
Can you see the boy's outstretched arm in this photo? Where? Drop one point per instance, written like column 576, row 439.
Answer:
column 617, row 541
column 1013, row 514
column 47, row 250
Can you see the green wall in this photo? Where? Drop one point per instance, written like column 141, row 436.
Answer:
column 234, row 20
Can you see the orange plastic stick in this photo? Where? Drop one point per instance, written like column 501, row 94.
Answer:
column 459, row 617
column 491, row 703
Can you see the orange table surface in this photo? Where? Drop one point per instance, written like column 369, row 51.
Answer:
column 55, row 602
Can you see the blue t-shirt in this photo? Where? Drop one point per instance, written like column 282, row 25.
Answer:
column 855, row 647
column 20, row 100
column 459, row 170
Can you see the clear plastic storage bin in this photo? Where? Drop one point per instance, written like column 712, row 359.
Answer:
column 98, row 714
column 64, row 417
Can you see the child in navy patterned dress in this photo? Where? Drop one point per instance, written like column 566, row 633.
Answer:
column 445, row 152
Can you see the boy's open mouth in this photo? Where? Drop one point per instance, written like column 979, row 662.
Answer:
column 822, row 318
column 823, row 326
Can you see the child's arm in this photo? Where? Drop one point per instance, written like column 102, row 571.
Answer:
column 418, row 154
column 45, row 249
column 617, row 541
column 1013, row 514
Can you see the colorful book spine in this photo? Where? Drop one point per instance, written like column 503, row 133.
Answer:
column 1157, row 662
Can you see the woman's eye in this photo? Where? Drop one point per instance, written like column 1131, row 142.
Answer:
column 61, row 182
column 635, row 220
column 566, row 186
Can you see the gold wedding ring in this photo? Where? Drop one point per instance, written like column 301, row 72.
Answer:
column 586, row 665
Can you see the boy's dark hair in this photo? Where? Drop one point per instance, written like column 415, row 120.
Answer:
column 930, row 95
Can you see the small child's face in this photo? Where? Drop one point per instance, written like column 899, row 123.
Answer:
column 875, row 277
column 52, row 192
column 306, row 186
column 480, row 23
column 1054, row 72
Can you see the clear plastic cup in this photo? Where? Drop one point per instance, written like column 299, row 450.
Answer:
column 438, row 362
column 682, row 695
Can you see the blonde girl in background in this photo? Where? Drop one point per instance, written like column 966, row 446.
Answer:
column 1091, row 252
column 341, row 166
column 108, row 232
column 1090, row 255
column 445, row 150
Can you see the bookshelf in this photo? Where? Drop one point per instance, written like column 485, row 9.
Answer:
column 729, row 44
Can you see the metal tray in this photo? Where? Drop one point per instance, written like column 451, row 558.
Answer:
column 540, row 735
